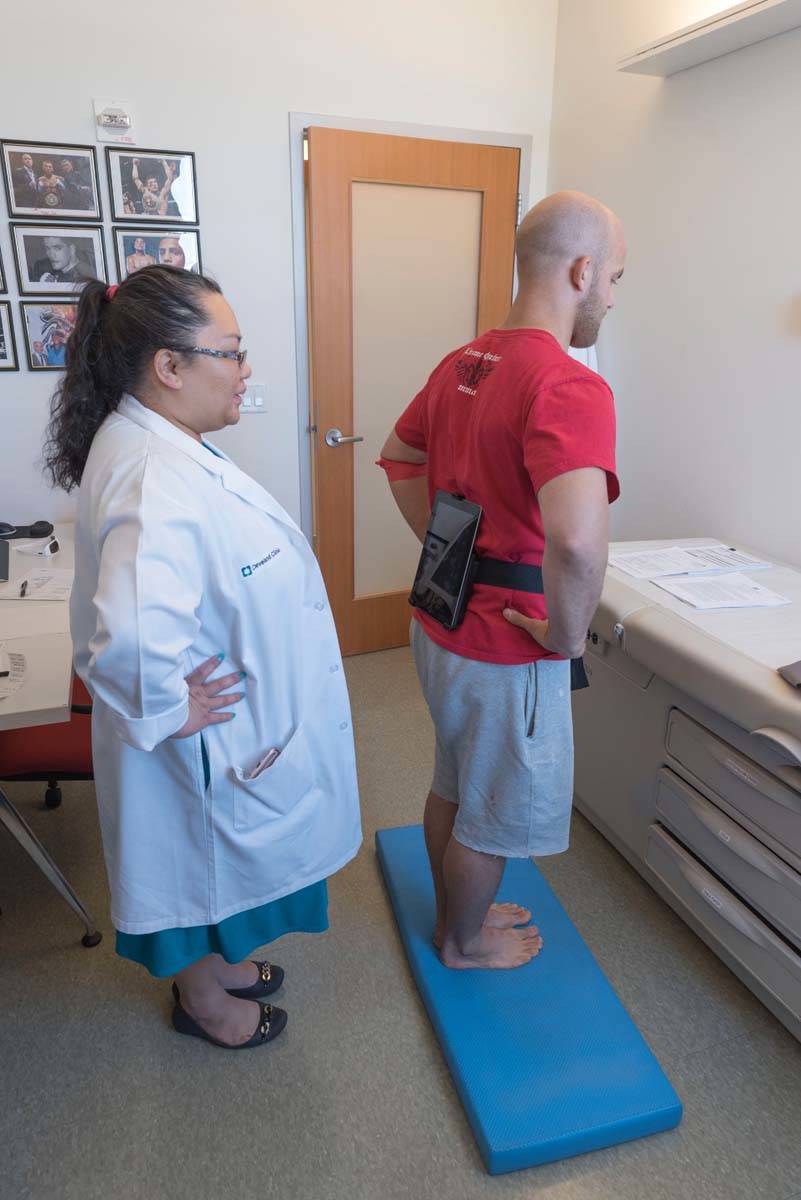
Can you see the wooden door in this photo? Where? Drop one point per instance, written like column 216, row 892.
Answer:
column 411, row 254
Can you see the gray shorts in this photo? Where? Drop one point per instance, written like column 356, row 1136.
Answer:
column 504, row 748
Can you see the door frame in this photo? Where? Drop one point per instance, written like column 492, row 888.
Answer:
column 298, row 122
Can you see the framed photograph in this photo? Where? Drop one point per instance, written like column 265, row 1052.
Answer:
column 46, row 179
column 47, row 329
column 152, row 185
column 3, row 284
column 137, row 248
column 8, row 346
column 53, row 260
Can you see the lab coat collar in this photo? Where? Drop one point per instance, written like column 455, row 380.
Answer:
column 214, row 461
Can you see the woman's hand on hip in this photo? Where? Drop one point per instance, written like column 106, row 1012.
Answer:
column 206, row 697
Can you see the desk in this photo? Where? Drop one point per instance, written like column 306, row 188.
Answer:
column 41, row 631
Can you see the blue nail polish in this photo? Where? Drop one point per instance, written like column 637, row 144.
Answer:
column 243, row 674
column 221, row 655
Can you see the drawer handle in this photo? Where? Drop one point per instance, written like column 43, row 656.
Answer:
column 724, row 907
column 778, row 793
column 740, row 843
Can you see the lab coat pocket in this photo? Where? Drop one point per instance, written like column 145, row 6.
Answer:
column 276, row 791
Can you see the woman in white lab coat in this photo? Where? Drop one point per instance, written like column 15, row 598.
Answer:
column 221, row 730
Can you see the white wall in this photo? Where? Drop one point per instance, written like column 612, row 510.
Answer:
column 704, row 348
column 221, row 80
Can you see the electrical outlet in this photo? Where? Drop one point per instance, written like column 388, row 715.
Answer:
column 253, row 400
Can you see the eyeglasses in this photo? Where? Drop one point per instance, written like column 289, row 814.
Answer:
column 238, row 355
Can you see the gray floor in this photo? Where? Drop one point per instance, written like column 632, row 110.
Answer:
column 101, row 1099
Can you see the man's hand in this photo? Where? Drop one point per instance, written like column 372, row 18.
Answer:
column 205, row 699
column 541, row 633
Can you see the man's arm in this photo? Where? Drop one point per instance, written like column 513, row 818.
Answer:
column 575, row 518
column 135, row 176
column 163, row 196
column 410, row 494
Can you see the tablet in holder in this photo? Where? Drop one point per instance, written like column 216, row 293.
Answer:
column 445, row 572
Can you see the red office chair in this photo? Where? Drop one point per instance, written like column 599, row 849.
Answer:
column 49, row 753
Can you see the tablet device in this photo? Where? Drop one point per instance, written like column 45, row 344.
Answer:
column 445, row 572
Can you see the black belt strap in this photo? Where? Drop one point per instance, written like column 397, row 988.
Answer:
column 524, row 577
column 518, row 577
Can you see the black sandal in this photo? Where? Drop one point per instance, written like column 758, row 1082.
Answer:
column 270, row 979
column 271, row 1022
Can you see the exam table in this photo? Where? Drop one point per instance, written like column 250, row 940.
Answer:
column 688, row 759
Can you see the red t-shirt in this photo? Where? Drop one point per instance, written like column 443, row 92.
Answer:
column 498, row 419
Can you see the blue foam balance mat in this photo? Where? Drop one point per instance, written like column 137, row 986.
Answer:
column 545, row 1058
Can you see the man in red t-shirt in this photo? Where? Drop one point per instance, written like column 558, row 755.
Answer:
column 516, row 425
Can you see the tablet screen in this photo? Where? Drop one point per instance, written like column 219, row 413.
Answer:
column 439, row 584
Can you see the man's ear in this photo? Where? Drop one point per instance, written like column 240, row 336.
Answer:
column 581, row 273
column 165, row 369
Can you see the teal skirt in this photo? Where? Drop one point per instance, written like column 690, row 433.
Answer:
column 168, row 951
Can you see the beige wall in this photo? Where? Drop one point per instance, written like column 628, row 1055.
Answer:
column 221, row 79
column 704, row 349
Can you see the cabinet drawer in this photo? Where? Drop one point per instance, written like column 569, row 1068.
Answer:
column 758, row 949
column 753, row 871
column 761, row 798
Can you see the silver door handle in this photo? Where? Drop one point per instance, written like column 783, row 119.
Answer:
column 335, row 438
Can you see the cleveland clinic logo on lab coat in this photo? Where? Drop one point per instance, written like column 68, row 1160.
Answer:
column 246, row 571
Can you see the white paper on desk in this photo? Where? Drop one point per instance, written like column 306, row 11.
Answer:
column 16, row 675
column 651, row 564
column 44, row 583
column 722, row 591
column 684, row 560
column 724, row 558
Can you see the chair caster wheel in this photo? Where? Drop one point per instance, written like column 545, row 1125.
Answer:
column 91, row 939
column 53, row 797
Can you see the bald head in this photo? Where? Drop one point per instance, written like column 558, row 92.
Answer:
column 570, row 253
column 560, row 229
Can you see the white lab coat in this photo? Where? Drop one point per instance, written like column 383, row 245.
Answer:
column 179, row 555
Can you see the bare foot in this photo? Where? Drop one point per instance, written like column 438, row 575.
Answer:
column 500, row 916
column 507, row 915
column 499, row 948
column 233, row 1021
column 236, row 975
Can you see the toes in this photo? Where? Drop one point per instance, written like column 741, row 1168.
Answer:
column 508, row 906
column 528, row 933
column 515, row 914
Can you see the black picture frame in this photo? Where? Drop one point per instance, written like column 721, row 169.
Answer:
column 118, row 186
column 43, row 150
column 3, row 284
column 56, row 305
column 27, row 287
column 8, row 325
column 153, row 234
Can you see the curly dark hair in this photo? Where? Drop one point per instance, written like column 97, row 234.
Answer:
column 107, row 353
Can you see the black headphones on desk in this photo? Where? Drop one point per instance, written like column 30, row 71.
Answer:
column 39, row 529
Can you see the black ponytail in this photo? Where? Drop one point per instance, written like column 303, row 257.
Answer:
column 108, row 351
